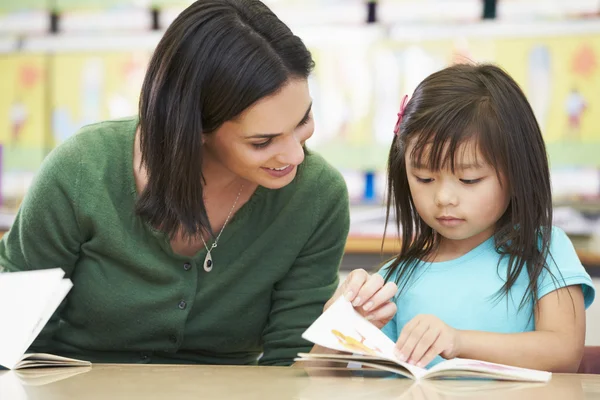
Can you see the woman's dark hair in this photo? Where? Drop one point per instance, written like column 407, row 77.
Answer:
column 483, row 104
column 215, row 60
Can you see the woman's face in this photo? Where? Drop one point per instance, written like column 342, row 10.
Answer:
column 264, row 144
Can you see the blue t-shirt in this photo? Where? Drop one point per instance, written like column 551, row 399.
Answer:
column 463, row 292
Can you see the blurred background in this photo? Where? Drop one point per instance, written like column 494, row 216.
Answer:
column 67, row 63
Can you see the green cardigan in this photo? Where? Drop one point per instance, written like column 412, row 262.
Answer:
column 135, row 301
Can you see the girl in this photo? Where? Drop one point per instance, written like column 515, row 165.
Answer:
column 482, row 273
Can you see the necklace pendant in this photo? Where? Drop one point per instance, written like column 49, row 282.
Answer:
column 208, row 262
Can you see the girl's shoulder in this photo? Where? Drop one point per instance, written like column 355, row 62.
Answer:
column 563, row 268
column 561, row 250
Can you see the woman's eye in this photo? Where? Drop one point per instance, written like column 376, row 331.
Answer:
column 305, row 120
column 262, row 145
column 470, row 181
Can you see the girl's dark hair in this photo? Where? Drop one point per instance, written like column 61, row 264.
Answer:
column 215, row 60
column 481, row 103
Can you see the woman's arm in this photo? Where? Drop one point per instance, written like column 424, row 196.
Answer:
column 46, row 232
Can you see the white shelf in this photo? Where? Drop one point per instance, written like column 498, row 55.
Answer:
column 25, row 22
column 168, row 14
column 299, row 15
column 411, row 11
column 84, row 21
column 495, row 29
column 545, row 8
column 321, row 36
column 92, row 43
column 341, row 13
column 351, row 36
column 429, row 10
column 8, row 45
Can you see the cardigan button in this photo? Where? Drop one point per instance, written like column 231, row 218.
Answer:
column 187, row 266
column 182, row 305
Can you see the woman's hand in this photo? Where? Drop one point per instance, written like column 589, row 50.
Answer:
column 424, row 338
column 370, row 296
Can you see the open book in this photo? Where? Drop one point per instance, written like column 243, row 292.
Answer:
column 27, row 301
column 342, row 328
column 35, row 377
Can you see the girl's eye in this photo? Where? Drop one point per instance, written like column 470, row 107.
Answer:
column 263, row 144
column 424, row 180
column 470, row 181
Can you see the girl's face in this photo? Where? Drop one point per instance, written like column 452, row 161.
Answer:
column 464, row 206
column 264, row 144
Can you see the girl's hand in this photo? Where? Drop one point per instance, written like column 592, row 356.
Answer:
column 424, row 338
column 370, row 296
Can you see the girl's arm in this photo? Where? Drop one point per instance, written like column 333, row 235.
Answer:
column 556, row 345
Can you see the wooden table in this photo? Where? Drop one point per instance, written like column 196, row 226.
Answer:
column 150, row 382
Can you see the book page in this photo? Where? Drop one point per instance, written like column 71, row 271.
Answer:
column 36, row 360
column 61, row 291
column 342, row 328
column 25, row 298
column 465, row 367
column 381, row 365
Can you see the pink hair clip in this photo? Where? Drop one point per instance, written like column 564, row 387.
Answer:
column 400, row 114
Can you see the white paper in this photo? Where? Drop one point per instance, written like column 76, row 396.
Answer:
column 27, row 301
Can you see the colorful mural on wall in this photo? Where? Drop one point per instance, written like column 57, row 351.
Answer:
column 356, row 87
column 94, row 87
column 23, row 121
column 359, row 92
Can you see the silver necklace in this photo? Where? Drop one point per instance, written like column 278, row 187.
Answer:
column 208, row 261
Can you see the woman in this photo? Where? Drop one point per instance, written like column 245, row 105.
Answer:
column 202, row 231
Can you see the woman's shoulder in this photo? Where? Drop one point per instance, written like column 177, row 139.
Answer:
column 316, row 172
column 96, row 153
column 94, row 147
column 319, row 190
column 106, row 136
